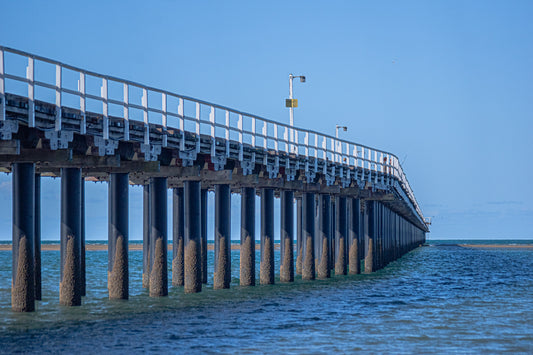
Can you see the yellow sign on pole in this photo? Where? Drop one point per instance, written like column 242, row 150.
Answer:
column 291, row 102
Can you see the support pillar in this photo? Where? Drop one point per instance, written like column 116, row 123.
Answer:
column 247, row 253
column 117, row 267
column 203, row 239
column 322, row 240
column 340, row 236
column 178, row 230
column 37, row 239
column 146, row 236
column 192, row 272
column 23, row 277
column 353, row 236
column 158, row 237
column 299, row 243
column 266, row 275
column 287, row 237
column 83, row 286
column 222, row 276
column 308, row 236
column 370, row 214
column 69, row 286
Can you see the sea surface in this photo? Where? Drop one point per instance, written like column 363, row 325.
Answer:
column 440, row 298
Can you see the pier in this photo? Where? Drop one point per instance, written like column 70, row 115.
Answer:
column 355, row 209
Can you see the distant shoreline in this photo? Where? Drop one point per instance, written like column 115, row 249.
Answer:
column 505, row 246
column 132, row 247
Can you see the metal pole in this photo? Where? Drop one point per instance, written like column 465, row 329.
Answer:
column 340, row 236
column 192, row 273
column 23, row 279
column 353, row 235
column 323, row 236
column 146, row 236
column 266, row 274
column 247, row 254
column 158, row 237
column 69, row 287
column 37, row 239
column 117, row 267
column 178, row 230
column 308, row 236
column 287, row 237
column 203, row 239
column 222, row 276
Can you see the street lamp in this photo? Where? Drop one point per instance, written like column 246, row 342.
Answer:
column 291, row 104
column 344, row 128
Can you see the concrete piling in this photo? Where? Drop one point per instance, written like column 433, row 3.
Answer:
column 118, row 272
column 222, row 275
column 322, row 239
column 70, row 284
column 37, row 239
column 178, row 238
column 266, row 274
column 308, row 236
column 340, row 236
column 247, row 252
column 83, row 282
column 353, row 235
column 192, row 272
column 23, row 272
column 158, row 237
column 369, row 236
column 203, row 239
column 146, row 236
column 299, row 236
column 287, row 237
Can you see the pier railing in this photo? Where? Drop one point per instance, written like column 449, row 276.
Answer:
column 63, row 85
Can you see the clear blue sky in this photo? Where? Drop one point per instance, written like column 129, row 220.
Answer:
column 445, row 85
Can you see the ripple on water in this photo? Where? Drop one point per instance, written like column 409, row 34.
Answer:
column 438, row 299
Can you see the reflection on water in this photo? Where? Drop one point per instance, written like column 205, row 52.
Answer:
column 443, row 299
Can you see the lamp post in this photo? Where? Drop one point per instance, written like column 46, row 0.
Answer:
column 344, row 128
column 292, row 103
column 338, row 145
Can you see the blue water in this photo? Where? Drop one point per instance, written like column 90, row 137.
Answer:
column 436, row 299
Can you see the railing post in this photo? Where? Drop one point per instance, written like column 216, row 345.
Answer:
column 105, row 123
column 2, row 87
column 58, row 98
column 81, row 90
column 31, row 92
column 125, row 103
column 145, row 117
column 164, row 118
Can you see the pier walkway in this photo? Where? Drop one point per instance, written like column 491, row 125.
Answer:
column 355, row 209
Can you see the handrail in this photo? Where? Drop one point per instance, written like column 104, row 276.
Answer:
column 322, row 146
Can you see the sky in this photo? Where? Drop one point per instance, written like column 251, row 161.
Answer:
column 446, row 85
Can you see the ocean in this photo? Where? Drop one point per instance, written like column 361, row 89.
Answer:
column 440, row 298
